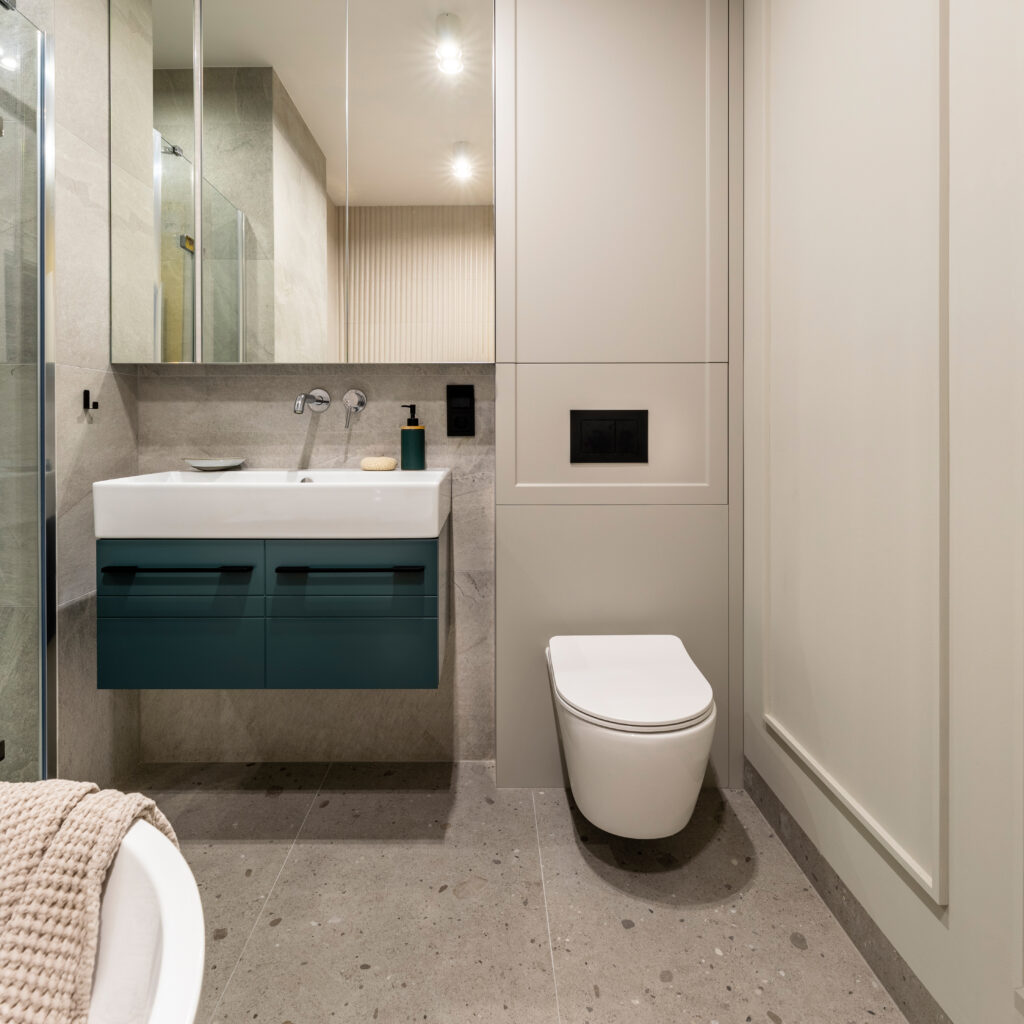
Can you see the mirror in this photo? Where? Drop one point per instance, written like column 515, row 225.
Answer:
column 346, row 212
column 420, row 193
column 152, row 159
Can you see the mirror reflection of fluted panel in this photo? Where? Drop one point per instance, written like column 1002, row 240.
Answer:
column 421, row 284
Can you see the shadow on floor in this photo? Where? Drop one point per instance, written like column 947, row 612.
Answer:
column 708, row 861
column 385, row 802
column 311, row 801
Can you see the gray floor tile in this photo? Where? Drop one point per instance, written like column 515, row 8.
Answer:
column 714, row 924
column 217, row 802
column 407, row 897
column 235, row 824
column 421, row 892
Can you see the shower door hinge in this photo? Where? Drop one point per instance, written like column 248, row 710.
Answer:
column 11, row 5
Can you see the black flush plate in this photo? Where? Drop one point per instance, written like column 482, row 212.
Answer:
column 461, row 410
column 608, row 435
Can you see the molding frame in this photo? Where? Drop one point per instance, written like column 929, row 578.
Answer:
column 712, row 489
column 932, row 880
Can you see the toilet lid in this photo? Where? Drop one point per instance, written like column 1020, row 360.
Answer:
column 630, row 680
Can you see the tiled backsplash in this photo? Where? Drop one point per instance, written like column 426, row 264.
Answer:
column 187, row 411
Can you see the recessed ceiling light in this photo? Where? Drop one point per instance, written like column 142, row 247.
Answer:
column 462, row 165
column 449, row 44
column 9, row 62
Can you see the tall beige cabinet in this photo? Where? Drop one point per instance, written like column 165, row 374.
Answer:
column 618, row 264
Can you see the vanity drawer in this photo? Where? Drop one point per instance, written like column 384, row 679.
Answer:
column 180, row 654
column 165, row 568
column 178, row 607
column 352, row 654
column 361, row 607
column 351, row 568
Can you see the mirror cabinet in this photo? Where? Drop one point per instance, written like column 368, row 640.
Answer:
column 309, row 183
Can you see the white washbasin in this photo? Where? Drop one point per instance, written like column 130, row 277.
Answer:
column 268, row 503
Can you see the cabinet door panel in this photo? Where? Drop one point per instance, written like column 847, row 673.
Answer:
column 185, row 654
column 352, row 654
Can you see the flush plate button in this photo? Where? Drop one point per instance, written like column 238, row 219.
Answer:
column 608, row 435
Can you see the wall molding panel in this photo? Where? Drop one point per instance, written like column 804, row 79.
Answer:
column 688, row 460
column 638, row 269
column 856, row 579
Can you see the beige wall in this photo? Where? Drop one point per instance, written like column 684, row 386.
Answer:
column 884, row 485
column 97, row 731
column 612, row 292
column 207, row 410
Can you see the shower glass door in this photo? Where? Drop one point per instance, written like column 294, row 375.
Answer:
column 21, row 589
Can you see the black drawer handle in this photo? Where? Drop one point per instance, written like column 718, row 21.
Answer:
column 303, row 569
column 129, row 570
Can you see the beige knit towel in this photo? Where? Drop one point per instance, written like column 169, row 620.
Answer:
column 57, row 842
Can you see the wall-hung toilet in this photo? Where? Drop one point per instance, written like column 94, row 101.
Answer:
column 636, row 718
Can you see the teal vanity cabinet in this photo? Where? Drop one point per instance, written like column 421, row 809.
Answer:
column 180, row 614
column 284, row 614
column 367, row 608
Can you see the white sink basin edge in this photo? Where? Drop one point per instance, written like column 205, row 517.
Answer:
column 267, row 504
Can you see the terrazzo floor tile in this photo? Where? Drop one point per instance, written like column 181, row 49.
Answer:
column 716, row 924
column 235, row 825
column 413, row 893
column 421, row 892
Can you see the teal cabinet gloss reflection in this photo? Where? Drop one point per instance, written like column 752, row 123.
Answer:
column 230, row 614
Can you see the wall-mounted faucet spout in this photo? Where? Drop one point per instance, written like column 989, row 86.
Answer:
column 317, row 399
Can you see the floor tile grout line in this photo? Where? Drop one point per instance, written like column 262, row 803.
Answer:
column 547, row 916
column 270, row 892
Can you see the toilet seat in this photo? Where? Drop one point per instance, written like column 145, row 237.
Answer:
column 629, row 683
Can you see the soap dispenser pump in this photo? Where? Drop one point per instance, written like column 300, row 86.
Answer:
column 414, row 442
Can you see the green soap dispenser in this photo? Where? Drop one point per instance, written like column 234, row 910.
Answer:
column 414, row 442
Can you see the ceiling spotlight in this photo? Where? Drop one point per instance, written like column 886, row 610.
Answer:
column 9, row 62
column 462, row 166
column 449, row 44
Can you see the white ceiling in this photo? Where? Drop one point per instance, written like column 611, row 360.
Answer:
column 405, row 115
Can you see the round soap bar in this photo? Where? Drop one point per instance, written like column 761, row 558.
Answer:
column 379, row 463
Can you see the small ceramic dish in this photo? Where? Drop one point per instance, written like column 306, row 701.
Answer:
column 211, row 465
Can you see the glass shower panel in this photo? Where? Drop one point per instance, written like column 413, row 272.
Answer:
column 21, row 705
column 223, row 278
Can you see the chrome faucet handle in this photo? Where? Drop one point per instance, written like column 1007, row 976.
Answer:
column 354, row 402
column 317, row 399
